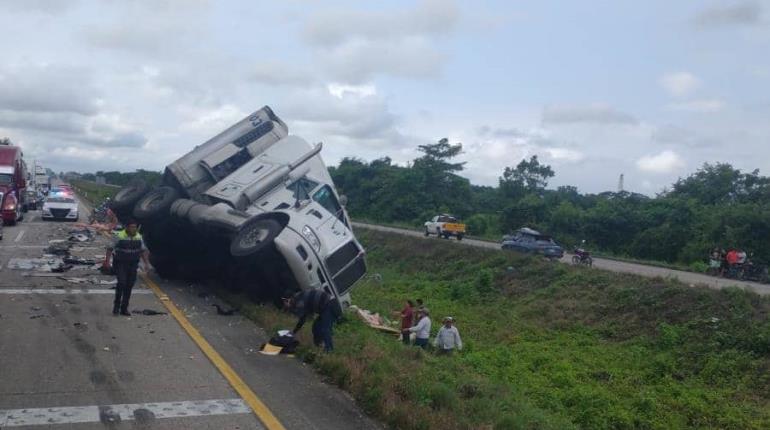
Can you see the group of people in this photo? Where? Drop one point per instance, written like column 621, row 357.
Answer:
column 723, row 261
column 418, row 321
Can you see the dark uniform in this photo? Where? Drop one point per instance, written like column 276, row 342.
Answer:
column 127, row 251
column 307, row 303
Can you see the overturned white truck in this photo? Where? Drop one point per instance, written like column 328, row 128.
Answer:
column 253, row 207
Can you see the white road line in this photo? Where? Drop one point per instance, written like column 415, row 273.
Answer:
column 65, row 291
column 19, row 236
column 113, row 414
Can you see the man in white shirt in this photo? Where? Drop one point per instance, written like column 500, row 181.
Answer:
column 422, row 329
column 448, row 338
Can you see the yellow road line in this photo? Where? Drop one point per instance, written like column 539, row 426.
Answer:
column 251, row 399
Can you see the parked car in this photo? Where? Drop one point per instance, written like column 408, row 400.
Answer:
column 60, row 207
column 445, row 226
column 533, row 242
column 254, row 207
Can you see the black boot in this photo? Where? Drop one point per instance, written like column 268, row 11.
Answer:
column 115, row 310
column 125, row 312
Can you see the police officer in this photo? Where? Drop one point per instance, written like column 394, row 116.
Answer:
column 127, row 249
column 306, row 303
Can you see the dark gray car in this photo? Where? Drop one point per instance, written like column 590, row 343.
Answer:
column 532, row 241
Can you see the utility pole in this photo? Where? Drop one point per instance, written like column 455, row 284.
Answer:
column 620, row 184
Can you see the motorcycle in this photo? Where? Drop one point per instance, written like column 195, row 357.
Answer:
column 581, row 256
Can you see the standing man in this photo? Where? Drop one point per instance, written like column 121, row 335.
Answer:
column 127, row 248
column 422, row 329
column 407, row 315
column 448, row 338
column 306, row 303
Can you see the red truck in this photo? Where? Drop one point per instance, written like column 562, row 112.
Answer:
column 13, row 184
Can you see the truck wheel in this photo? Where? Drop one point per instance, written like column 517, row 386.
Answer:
column 427, row 232
column 156, row 203
column 164, row 266
column 254, row 236
column 126, row 198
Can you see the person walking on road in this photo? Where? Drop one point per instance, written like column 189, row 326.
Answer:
column 448, row 338
column 306, row 303
column 422, row 329
column 126, row 251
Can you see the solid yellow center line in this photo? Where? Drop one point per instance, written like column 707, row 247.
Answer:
column 263, row 413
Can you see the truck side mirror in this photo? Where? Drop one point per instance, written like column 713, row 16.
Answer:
column 343, row 200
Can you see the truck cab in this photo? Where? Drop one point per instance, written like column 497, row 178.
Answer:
column 445, row 226
column 253, row 206
column 13, row 184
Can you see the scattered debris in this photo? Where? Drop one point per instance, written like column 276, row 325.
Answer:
column 36, row 316
column 374, row 320
column 148, row 312
column 61, row 248
column 283, row 342
column 106, row 348
column 35, row 308
column 37, row 264
column 79, row 260
column 223, row 312
column 61, row 268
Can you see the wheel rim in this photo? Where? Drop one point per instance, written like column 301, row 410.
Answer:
column 154, row 201
column 253, row 237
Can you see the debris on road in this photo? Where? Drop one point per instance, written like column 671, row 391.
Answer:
column 223, row 312
column 283, row 342
column 38, row 264
column 374, row 320
column 148, row 312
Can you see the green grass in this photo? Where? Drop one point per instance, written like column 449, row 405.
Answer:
column 548, row 346
column 93, row 192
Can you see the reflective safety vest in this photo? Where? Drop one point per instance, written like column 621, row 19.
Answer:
column 128, row 249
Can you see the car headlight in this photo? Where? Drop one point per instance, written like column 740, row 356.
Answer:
column 46, row 211
column 311, row 238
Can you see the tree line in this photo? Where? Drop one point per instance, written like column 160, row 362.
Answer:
column 718, row 205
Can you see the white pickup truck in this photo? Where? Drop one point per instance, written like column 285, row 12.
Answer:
column 253, row 206
column 445, row 226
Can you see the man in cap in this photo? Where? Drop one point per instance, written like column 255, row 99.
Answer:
column 422, row 329
column 305, row 304
column 126, row 251
column 448, row 338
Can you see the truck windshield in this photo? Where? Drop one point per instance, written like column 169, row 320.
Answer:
column 326, row 198
column 6, row 178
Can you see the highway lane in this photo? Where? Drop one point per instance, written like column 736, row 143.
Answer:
column 67, row 362
column 689, row 278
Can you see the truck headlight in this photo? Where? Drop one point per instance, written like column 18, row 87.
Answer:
column 311, row 238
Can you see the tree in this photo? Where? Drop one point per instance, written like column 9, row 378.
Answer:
column 527, row 177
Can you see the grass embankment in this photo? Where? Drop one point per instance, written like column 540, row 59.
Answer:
column 93, row 192
column 549, row 345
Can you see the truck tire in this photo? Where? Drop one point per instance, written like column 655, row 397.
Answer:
column 155, row 204
column 164, row 266
column 124, row 201
column 427, row 232
column 254, row 236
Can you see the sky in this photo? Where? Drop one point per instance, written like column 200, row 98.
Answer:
column 651, row 90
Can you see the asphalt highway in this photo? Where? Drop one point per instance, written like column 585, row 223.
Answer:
column 67, row 363
column 689, row 278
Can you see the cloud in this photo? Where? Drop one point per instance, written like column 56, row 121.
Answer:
column 355, row 46
column 278, row 73
column 342, row 90
column 740, row 13
column 671, row 134
column 46, row 88
column 565, row 155
column 596, row 114
column 50, row 7
column 665, row 162
column 680, row 84
column 698, row 106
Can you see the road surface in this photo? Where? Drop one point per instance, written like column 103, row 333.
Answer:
column 602, row 263
column 67, row 363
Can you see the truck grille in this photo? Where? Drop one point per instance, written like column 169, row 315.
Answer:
column 342, row 257
column 60, row 213
column 345, row 279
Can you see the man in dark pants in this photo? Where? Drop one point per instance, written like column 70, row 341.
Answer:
column 306, row 303
column 126, row 251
